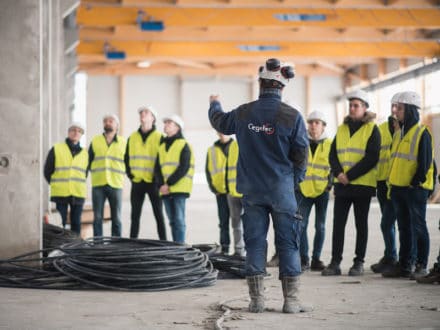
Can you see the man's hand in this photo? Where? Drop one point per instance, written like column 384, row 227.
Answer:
column 342, row 178
column 164, row 189
column 213, row 98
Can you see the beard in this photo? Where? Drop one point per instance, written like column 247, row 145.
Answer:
column 108, row 129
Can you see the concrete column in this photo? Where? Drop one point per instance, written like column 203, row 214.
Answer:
column 21, row 122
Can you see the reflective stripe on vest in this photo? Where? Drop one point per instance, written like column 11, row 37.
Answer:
column 108, row 167
column 404, row 153
column 142, row 155
column 383, row 166
column 351, row 149
column 232, row 169
column 169, row 161
column 318, row 169
column 69, row 177
column 217, row 168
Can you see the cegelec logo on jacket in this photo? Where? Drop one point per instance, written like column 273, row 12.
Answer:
column 266, row 128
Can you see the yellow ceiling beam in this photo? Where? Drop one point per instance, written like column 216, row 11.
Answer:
column 296, row 49
column 272, row 3
column 202, row 17
column 310, row 33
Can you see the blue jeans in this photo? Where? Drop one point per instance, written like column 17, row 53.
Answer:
column 387, row 222
column 114, row 196
column 281, row 206
column 305, row 205
column 75, row 215
column 175, row 208
column 223, row 216
column 420, row 249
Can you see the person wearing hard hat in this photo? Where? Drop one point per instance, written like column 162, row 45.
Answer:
column 174, row 172
column 65, row 170
column 411, row 179
column 388, row 219
column 273, row 144
column 216, row 174
column 354, row 154
column 106, row 156
column 314, row 190
column 140, row 160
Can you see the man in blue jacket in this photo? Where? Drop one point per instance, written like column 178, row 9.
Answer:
column 273, row 145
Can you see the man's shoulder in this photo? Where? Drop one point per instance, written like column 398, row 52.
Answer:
column 287, row 115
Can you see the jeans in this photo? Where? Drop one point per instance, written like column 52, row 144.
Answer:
column 387, row 222
column 223, row 216
column 137, row 197
column 305, row 205
column 361, row 206
column 420, row 249
column 75, row 215
column 175, row 208
column 281, row 206
column 114, row 196
column 235, row 208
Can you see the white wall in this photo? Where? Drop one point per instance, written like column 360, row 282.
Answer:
column 189, row 97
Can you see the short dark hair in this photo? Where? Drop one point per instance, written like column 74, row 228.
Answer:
column 270, row 83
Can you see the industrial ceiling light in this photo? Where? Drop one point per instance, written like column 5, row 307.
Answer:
column 144, row 64
column 147, row 23
column 112, row 54
column 301, row 17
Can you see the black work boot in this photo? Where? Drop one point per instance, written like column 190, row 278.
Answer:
column 432, row 277
column 317, row 265
column 256, row 288
column 420, row 271
column 274, row 262
column 357, row 269
column 305, row 264
column 397, row 271
column 291, row 304
column 383, row 265
column 333, row 269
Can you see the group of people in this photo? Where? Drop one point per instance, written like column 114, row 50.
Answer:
column 283, row 170
column 159, row 165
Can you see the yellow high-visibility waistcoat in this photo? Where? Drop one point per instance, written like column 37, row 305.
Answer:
column 217, row 168
column 351, row 149
column 383, row 166
column 232, row 169
column 69, row 177
column 108, row 167
column 318, row 169
column 169, row 161
column 404, row 154
column 142, row 155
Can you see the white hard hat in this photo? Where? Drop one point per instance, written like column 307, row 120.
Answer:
column 317, row 115
column 77, row 125
column 360, row 95
column 412, row 98
column 273, row 69
column 148, row 108
column 175, row 118
column 395, row 98
column 110, row 115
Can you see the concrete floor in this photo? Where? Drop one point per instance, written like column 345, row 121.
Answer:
column 341, row 302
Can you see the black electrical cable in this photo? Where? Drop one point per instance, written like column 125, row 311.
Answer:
column 111, row 263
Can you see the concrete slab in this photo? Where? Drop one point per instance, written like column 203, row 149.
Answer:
column 341, row 302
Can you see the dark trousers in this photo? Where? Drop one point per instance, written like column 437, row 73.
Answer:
column 361, row 206
column 75, row 215
column 223, row 216
column 137, row 197
column 387, row 222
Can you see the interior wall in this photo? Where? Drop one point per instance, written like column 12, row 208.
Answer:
column 189, row 97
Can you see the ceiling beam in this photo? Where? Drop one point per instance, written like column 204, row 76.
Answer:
column 199, row 17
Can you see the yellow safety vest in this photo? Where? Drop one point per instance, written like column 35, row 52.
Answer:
column 217, row 168
column 142, row 155
column 404, row 152
column 108, row 167
column 69, row 177
column 169, row 161
column 232, row 169
column 383, row 166
column 351, row 149
column 318, row 169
